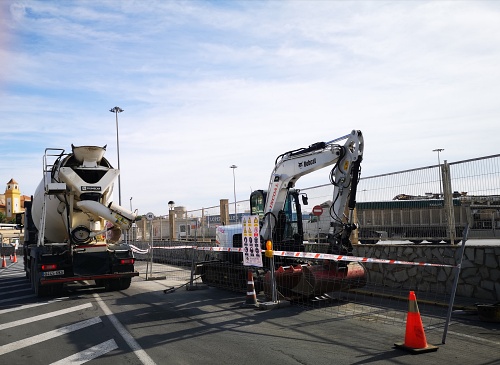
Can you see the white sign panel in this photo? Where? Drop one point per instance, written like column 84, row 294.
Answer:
column 252, row 253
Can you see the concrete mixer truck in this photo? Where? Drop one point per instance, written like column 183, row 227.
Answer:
column 72, row 230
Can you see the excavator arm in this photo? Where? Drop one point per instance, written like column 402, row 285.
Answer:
column 292, row 165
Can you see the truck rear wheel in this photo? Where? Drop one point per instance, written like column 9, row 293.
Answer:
column 124, row 283
column 108, row 284
column 115, row 284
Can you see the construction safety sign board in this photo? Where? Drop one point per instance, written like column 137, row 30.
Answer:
column 252, row 253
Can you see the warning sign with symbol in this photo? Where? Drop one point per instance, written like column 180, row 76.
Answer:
column 252, row 255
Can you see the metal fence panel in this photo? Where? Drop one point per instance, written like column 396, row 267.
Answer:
column 399, row 206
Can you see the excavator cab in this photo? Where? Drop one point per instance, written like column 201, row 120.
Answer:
column 289, row 232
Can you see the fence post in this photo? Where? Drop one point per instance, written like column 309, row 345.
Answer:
column 448, row 203
column 151, row 245
column 455, row 283
column 191, row 285
column 193, row 267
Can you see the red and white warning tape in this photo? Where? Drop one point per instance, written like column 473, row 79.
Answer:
column 325, row 256
column 175, row 247
column 302, row 255
column 221, row 249
column 138, row 250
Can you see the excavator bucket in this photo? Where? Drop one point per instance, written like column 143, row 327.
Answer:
column 305, row 281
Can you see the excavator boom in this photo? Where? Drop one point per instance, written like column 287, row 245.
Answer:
column 292, row 165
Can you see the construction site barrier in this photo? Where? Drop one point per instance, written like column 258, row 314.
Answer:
column 432, row 266
column 300, row 255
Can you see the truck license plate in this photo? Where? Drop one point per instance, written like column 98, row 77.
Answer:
column 53, row 273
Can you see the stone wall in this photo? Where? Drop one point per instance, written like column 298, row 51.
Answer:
column 479, row 275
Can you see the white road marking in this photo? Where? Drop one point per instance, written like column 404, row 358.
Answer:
column 15, row 274
column 47, row 335
column 475, row 338
column 88, row 354
column 20, row 322
column 139, row 352
column 15, row 291
column 17, row 298
column 27, row 306
column 15, row 285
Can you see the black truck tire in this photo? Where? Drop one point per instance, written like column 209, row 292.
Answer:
column 115, row 284
column 124, row 283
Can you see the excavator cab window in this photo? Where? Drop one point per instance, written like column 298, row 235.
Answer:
column 290, row 210
column 257, row 202
column 289, row 220
column 289, row 229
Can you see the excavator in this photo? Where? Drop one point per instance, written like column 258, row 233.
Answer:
column 280, row 221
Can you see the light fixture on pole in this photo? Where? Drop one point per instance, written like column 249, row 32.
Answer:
column 234, row 190
column 438, row 150
column 117, row 110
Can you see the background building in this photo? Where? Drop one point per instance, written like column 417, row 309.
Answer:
column 12, row 202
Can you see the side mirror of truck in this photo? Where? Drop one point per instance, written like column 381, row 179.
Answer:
column 19, row 221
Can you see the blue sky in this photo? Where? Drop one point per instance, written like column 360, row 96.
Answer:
column 208, row 84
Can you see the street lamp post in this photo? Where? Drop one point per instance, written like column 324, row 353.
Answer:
column 438, row 150
column 117, row 110
column 171, row 218
column 133, row 223
column 234, row 190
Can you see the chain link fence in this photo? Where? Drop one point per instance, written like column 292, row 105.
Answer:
column 400, row 206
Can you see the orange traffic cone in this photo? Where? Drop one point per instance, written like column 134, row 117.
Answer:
column 4, row 263
column 14, row 260
column 415, row 340
column 251, row 300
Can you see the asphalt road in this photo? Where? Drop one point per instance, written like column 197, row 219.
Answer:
column 143, row 325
